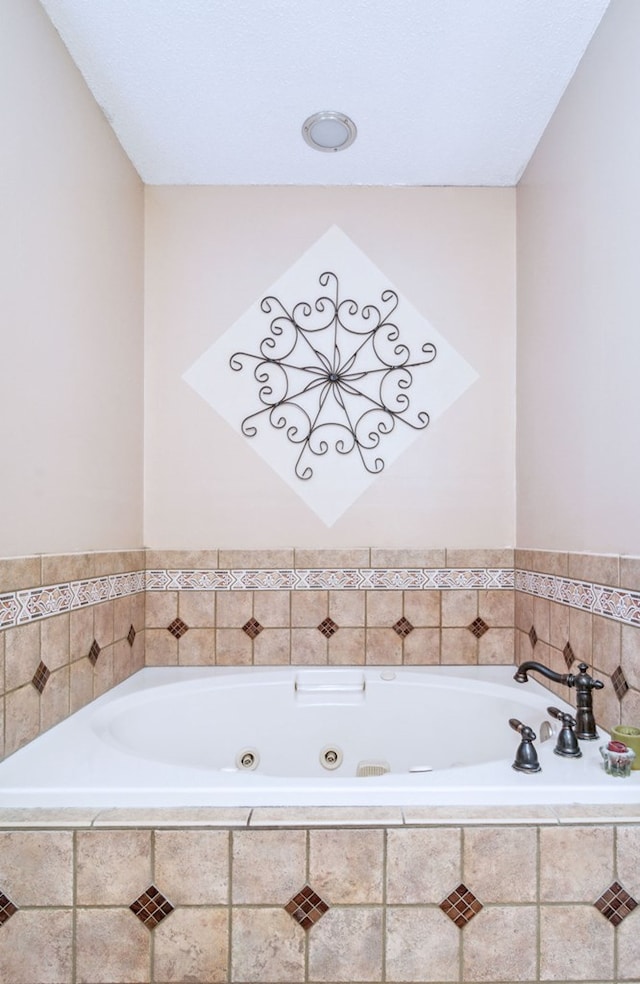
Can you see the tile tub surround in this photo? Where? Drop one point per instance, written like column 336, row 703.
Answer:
column 318, row 896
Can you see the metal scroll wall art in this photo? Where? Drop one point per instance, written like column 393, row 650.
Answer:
column 335, row 376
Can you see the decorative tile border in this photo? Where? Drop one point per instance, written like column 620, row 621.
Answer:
column 599, row 599
column 33, row 604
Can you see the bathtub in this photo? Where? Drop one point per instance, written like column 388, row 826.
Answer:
column 294, row 736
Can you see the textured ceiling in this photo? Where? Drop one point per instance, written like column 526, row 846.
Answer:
column 443, row 92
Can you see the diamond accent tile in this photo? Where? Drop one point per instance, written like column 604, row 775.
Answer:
column 403, row 627
column 131, row 634
column 478, row 627
column 328, row 627
column 151, row 907
column 7, row 908
column 569, row 655
column 615, row 903
column 178, row 628
column 323, row 371
column 306, row 907
column 619, row 681
column 252, row 628
column 40, row 677
column 93, row 653
column 533, row 637
column 461, row 906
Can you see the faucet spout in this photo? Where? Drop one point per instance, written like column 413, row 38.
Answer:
column 584, row 687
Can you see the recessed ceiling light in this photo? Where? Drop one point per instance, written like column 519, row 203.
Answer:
column 329, row 131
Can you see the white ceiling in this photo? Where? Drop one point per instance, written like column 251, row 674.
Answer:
column 443, row 92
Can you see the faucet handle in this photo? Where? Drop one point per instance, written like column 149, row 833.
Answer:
column 526, row 759
column 567, row 719
column 567, row 743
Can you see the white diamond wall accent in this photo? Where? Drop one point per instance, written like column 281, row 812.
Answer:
column 331, row 375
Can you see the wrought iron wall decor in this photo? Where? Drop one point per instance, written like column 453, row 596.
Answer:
column 335, row 376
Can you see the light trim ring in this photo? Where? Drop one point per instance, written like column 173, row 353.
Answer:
column 329, row 131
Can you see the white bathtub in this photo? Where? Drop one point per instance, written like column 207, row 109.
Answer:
column 185, row 736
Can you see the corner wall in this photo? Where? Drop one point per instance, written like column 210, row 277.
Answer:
column 71, row 305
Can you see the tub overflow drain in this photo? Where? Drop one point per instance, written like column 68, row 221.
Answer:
column 330, row 757
column 247, row 759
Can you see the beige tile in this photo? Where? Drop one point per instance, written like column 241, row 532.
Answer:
column 122, row 661
column 233, row 648
column 588, row 956
column 597, row 568
column 272, row 609
column 458, row 646
column 192, row 866
column 497, row 608
column 422, row 608
column 22, row 654
column 181, row 560
column 36, row 947
column 558, row 625
column 22, row 717
column 523, row 611
column 573, row 880
column 581, row 634
column 383, row 608
column 117, row 561
column 326, row 816
column 80, row 684
column 421, row 945
column 422, row 648
column 55, row 641
column 197, row 647
column 542, row 618
column 233, row 608
column 630, row 655
column 630, row 709
column 347, row 608
column 309, row 608
column 36, row 867
column 346, row 945
column 54, row 702
column 630, row 573
column 607, row 641
column 544, row 561
column 1, row 728
column 628, row 852
column 103, row 671
column 138, row 610
column 471, row 815
column 344, row 648
column 480, row 558
column 309, row 647
column 60, row 568
column 501, row 863
column 268, row 865
column 383, row 646
column 272, row 647
column 459, row 608
column 81, row 633
column 386, row 558
column 17, row 573
column 103, row 623
column 345, row 866
column 268, row 947
column 327, row 559
column 113, row 947
column 253, row 560
column 113, row 866
column 177, row 816
column 629, row 950
column 500, row 943
column 122, row 619
column 161, row 607
column 161, row 648
column 606, row 706
column 192, row 945
column 496, row 647
column 422, row 865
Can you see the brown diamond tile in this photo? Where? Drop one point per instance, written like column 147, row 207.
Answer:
column 615, row 904
column 533, row 637
column 7, row 908
column 93, row 653
column 569, row 655
column 151, row 907
column 403, row 627
column 40, row 677
column 306, row 907
column 252, row 628
column 619, row 681
column 461, row 906
column 478, row 627
column 131, row 634
column 178, row 628
column 328, row 627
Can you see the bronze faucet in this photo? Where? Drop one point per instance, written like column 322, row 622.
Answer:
column 584, row 685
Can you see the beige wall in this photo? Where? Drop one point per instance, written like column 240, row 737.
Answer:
column 211, row 252
column 71, row 303
column 578, row 472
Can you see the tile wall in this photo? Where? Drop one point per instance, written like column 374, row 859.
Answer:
column 281, row 896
